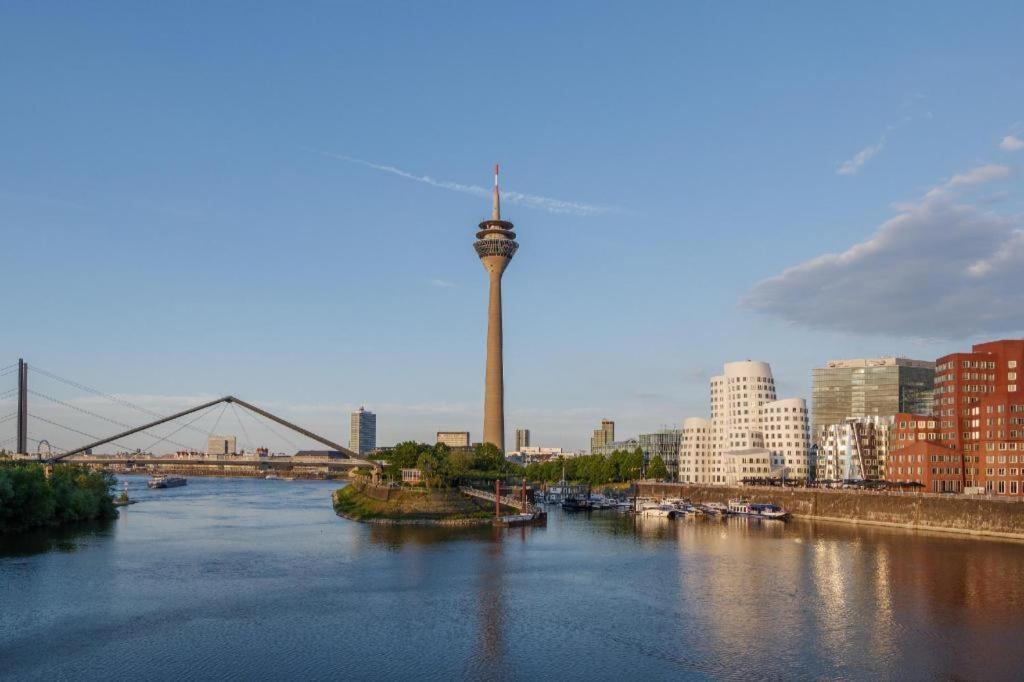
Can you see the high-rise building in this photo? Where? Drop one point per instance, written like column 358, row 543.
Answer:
column 522, row 439
column 454, row 439
column 664, row 444
column 603, row 436
column 870, row 387
column 749, row 430
column 495, row 245
column 854, row 449
column 980, row 410
column 220, row 445
column 362, row 433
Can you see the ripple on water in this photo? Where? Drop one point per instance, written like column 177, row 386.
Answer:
column 251, row 579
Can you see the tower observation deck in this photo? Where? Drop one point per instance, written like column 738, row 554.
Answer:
column 495, row 245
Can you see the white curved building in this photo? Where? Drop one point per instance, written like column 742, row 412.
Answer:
column 749, row 425
column 785, row 427
column 696, row 461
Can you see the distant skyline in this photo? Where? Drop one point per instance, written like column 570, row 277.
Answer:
column 280, row 202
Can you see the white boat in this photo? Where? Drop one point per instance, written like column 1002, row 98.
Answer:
column 272, row 477
column 657, row 511
column 739, row 506
column 769, row 511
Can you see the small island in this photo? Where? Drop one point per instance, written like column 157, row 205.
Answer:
column 438, row 485
column 425, row 484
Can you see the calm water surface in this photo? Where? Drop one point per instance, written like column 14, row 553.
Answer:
column 251, row 579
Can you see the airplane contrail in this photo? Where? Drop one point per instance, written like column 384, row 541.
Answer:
column 530, row 200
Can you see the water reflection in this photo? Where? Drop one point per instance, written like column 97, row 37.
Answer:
column 488, row 655
column 257, row 579
column 63, row 539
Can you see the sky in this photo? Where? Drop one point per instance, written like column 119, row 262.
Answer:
column 278, row 201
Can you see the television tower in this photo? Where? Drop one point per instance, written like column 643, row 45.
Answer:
column 495, row 245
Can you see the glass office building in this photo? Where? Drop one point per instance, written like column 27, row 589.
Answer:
column 843, row 389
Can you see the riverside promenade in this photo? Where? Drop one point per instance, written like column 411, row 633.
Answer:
column 985, row 516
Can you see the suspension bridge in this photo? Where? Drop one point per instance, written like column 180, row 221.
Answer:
column 65, row 419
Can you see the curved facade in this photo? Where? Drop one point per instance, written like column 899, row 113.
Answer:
column 696, row 464
column 747, row 421
column 785, row 428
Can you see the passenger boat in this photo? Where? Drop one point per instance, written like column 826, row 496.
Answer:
column 739, row 506
column 272, row 477
column 765, row 511
column 163, row 481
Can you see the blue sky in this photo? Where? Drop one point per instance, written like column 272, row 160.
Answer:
column 179, row 221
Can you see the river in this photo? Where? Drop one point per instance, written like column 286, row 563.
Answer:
column 250, row 579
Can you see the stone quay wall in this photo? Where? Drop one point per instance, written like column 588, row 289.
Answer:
column 946, row 513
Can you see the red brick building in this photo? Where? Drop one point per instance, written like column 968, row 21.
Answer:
column 918, row 455
column 979, row 405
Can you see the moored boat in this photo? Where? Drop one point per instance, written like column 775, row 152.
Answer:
column 164, row 481
column 657, row 511
column 769, row 511
column 576, row 503
column 742, row 507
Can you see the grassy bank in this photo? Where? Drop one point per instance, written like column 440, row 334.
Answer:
column 28, row 499
column 409, row 505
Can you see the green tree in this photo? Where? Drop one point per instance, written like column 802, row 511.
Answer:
column 657, row 469
column 433, row 468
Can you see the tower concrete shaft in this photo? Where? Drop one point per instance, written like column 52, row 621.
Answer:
column 495, row 245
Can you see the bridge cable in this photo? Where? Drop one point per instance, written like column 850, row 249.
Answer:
column 202, row 414
column 38, row 441
column 216, row 423
column 12, row 415
column 92, row 414
column 245, row 433
column 94, row 391
column 68, row 428
column 274, row 431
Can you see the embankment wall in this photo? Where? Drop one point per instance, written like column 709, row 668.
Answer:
column 953, row 514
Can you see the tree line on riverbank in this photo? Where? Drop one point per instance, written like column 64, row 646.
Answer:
column 619, row 467
column 442, row 466
column 31, row 499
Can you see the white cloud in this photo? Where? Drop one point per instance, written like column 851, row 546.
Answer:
column 940, row 268
column 1012, row 143
column 978, row 175
column 531, row 200
column 441, row 283
column 853, row 165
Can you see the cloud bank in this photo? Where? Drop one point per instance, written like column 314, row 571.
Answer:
column 941, row 268
column 530, row 200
